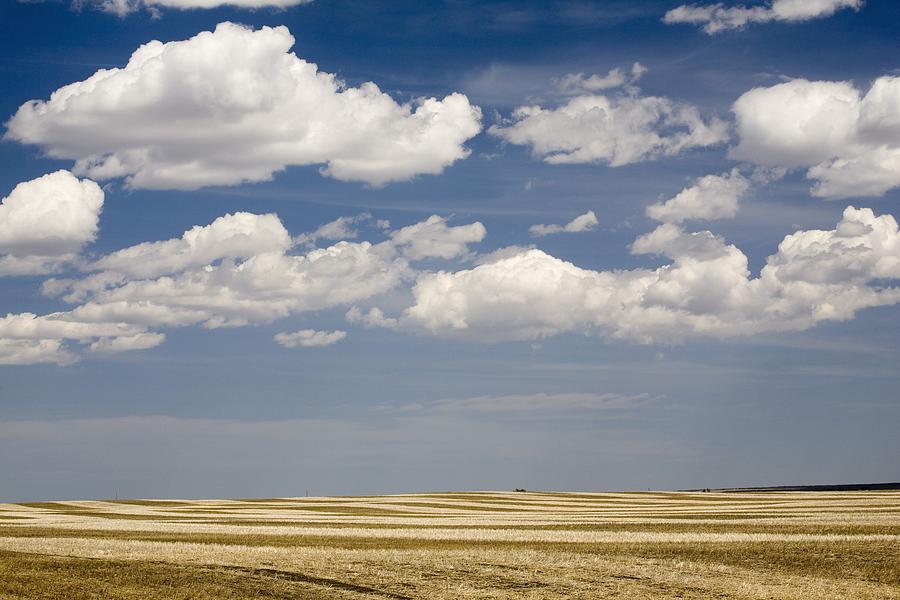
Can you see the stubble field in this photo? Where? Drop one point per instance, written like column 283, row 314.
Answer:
column 809, row 545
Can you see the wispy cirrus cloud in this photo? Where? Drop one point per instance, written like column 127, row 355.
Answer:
column 123, row 8
column 523, row 404
column 716, row 18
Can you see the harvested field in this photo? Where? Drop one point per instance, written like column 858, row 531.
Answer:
column 746, row 545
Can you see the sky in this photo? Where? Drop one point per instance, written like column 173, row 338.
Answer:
column 279, row 247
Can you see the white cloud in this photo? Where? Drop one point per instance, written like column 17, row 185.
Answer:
column 125, row 7
column 31, row 352
column 862, row 247
column 576, row 83
column 56, row 326
column 27, row 338
column 374, row 317
column 235, row 105
column 501, row 253
column 339, row 229
column 711, row 197
column 45, row 222
column 117, row 311
column 260, row 289
column 618, row 130
column 523, row 297
column 671, row 240
column 238, row 235
column 715, row 18
column 579, row 82
column 796, row 123
column 586, row 222
column 234, row 272
column 309, row 338
column 128, row 343
column 432, row 238
column 849, row 141
column 342, row 228
column 707, row 290
column 516, row 293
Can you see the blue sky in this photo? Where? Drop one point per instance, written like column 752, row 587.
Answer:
column 582, row 363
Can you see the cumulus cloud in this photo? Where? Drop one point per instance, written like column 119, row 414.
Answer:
column 501, row 253
column 235, row 105
column 796, row 123
column 715, row 18
column 116, row 312
column 27, row 338
column 707, row 289
column 31, row 352
column 59, row 326
column 433, row 238
column 586, row 222
column 241, row 270
column 238, row 235
column 860, row 249
column 45, row 222
column 236, row 271
column 309, row 338
column 619, row 129
column 259, row 289
column 711, row 197
column 125, row 7
column 848, row 141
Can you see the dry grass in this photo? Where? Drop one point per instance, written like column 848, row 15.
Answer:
column 459, row 545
